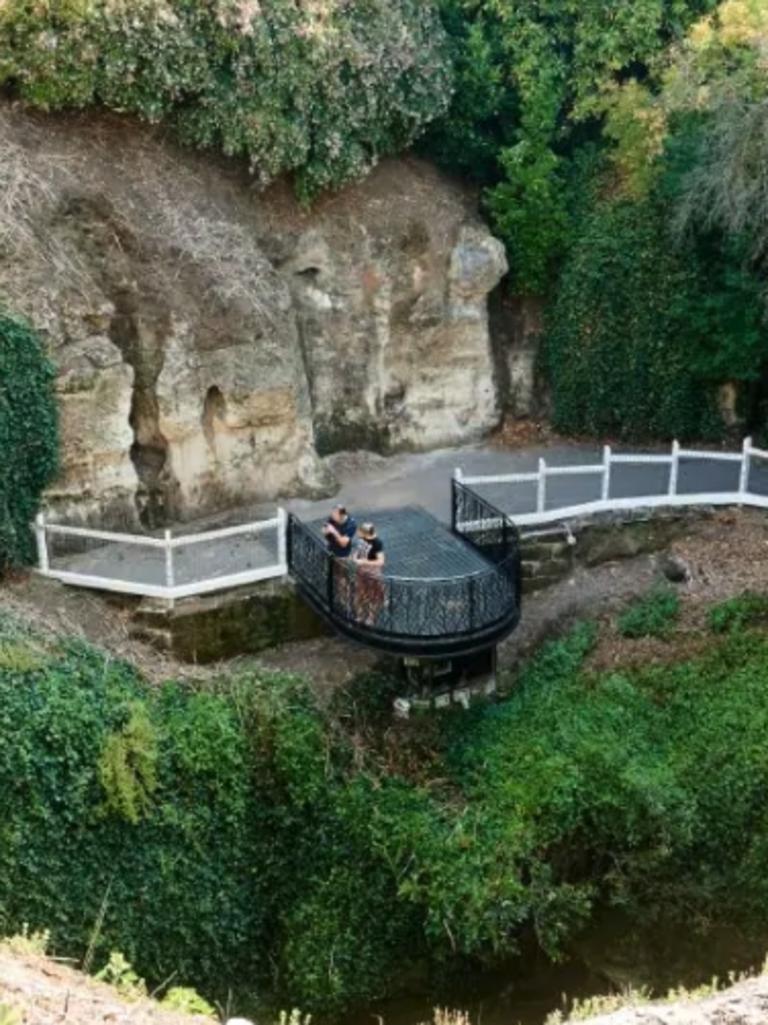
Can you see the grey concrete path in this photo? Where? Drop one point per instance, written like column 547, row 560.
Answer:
column 371, row 483
column 425, row 479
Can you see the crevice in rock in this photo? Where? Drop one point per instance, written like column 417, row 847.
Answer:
column 214, row 414
column 500, row 329
column 142, row 346
column 515, row 326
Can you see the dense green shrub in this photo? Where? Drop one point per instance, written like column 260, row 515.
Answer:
column 652, row 616
column 739, row 613
column 641, row 333
column 270, row 849
column 208, row 828
column 28, row 437
column 321, row 89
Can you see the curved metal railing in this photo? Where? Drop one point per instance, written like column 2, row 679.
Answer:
column 418, row 615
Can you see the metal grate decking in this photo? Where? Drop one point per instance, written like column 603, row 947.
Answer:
column 417, row 545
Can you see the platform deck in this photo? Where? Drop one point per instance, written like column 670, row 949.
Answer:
column 417, row 545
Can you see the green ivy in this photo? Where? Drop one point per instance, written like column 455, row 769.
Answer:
column 642, row 331
column 651, row 616
column 278, row 852
column 28, row 437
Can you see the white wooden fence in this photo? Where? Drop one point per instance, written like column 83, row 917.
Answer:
column 540, row 513
column 164, row 567
column 161, row 562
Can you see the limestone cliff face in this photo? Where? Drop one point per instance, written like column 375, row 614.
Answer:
column 214, row 342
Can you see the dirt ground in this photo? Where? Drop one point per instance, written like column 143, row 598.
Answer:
column 726, row 554
column 42, row 991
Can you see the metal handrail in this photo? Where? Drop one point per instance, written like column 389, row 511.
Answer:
column 409, row 609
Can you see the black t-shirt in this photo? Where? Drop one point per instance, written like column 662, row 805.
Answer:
column 369, row 549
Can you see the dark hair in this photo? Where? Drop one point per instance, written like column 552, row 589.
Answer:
column 341, row 509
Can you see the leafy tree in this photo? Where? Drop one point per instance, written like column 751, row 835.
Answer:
column 28, row 437
column 532, row 80
column 720, row 77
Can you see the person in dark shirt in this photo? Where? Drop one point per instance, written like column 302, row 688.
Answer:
column 370, row 548
column 339, row 531
column 369, row 587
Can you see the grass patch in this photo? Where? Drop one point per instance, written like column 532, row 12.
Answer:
column 651, row 616
column 739, row 613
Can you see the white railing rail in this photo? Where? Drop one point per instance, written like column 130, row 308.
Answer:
column 604, row 469
column 165, row 565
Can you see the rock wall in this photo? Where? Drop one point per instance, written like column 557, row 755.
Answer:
column 214, row 342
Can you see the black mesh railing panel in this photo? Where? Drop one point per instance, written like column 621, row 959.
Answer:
column 483, row 525
column 309, row 559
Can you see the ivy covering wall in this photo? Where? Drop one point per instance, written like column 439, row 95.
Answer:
column 642, row 332
column 28, row 437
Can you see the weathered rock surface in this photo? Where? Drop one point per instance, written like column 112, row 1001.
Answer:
column 212, row 341
column 743, row 1004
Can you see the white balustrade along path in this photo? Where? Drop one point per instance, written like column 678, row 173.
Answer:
column 625, row 481
column 169, row 566
column 163, row 567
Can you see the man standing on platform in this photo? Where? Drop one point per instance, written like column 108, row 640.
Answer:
column 339, row 530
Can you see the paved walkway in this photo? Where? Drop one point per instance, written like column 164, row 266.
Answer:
column 424, row 479
column 373, row 483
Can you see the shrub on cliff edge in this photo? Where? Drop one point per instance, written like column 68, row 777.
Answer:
column 28, row 436
column 320, row 90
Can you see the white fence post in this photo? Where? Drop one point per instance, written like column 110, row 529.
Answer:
column 169, row 580
column 606, row 491
column 282, row 538
column 42, row 543
column 674, row 467
column 541, row 489
column 458, row 475
column 746, row 463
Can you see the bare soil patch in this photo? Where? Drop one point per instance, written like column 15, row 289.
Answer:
column 47, row 992
column 727, row 556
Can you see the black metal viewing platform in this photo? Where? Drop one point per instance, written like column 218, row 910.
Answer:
column 444, row 592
